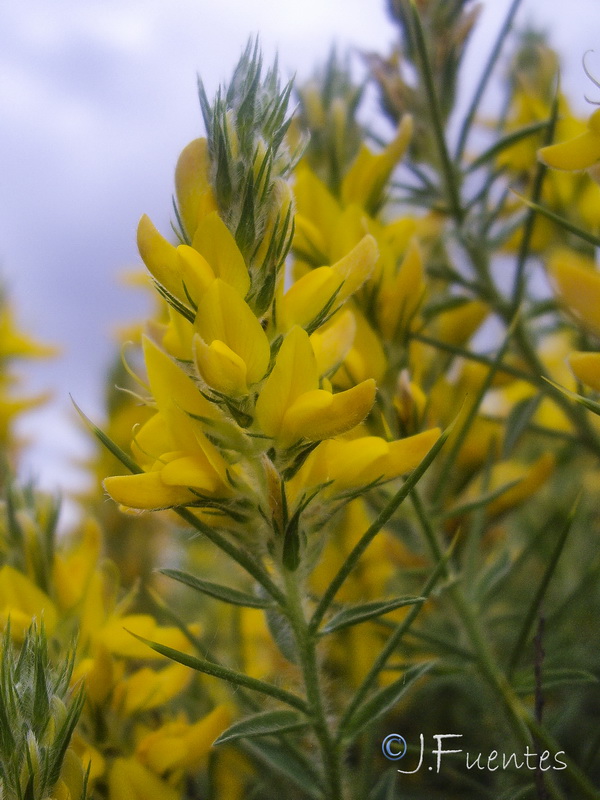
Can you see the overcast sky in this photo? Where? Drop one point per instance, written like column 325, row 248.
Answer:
column 97, row 98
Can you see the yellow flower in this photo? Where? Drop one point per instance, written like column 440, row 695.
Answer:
column 148, row 688
column 366, row 179
column 22, row 601
column 581, row 152
column 586, row 368
column 181, row 746
column 186, row 271
column 194, row 194
column 577, row 283
column 400, row 298
column 128, row 779
column 231, row 349
column 528, row 477
column 351, row 463
column 115, row 636
column 292, row 407
column 324, row 289
column 175, row 453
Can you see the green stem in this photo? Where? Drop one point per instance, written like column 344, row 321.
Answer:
column 394, row 640
column 485, row 659
column 243, row 559
column 573, row 772
column 366, row 539
column 447, row 166
column 522, row 723
column 306, row 646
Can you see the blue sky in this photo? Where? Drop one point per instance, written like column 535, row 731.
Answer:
column 97, row 98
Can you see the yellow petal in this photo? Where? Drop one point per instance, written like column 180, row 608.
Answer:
column 306, row 299
column 160, row 257
column 366, row 358
column 400, row 300
column 318, row 211
column 320, row 415
column 294, row 373
column 356, row 266
column 171, row 387
column 361, row 461
column 586, row 368
column 578, row 153
column 332, row 342
column 214, row 241
column 148, row 688
column 193, row 471
column 457, row 325
column 196, row 272
column 406, row 454
column 577, row 283
column 192, row 184
column 529, row 478
column 150, row 441
column 221, row 368
column 21, row 599
column 224, row 315
column 146, row 491
column 116, row 637
column 130, row 780
column 203, row 733
column 365, row 181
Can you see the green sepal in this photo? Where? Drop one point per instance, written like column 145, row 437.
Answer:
column 291, row 543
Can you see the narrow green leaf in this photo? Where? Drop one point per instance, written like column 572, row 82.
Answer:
column 216, row 590
column 287, row 764
column 382, row 701
column 226, row 674
column 591, row 405
column 243, row 558
column 385, row 788
column 443, row 478
column 263, row 724
column 518, row 421
column 361, row 613
column 491, row 577
column 119, row 454
column 565, row 223
column 524, row 682
column 506, row 141
column 432, row 309
column 481, row 501
column 541, row 590
column 486, row 74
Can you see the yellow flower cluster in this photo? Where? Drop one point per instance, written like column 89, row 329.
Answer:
column 240, row 396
